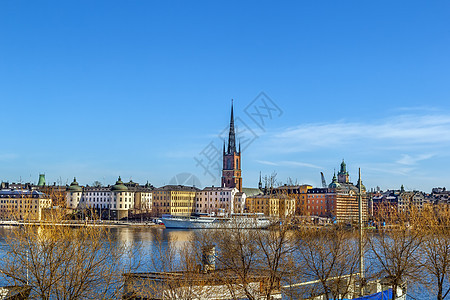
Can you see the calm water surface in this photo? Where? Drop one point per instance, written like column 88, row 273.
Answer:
column 152, row 239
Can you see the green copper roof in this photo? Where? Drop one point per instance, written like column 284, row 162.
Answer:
column 74, row 187
column 334, row 183
column 119, row 186
column 343, row 170
column 41, row 180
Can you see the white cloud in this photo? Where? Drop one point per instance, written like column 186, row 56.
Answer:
column 265, row 162
column 400, row 132
column 288, row 163
column 410, row 160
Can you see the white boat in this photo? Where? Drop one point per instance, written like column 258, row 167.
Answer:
column 247, row 221
column 187, row 222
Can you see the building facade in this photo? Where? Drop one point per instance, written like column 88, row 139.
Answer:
column 297, row 192
column 110, row 202
column 176, row 200
column 23, row 204
column 218, row 201
column 408, row 200
column 272, row 205
column 344, row 198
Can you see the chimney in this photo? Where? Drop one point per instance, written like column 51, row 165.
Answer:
column 209, row 258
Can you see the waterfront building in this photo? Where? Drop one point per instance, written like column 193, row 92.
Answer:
column 271, row 205
column 55, row 192
column 23, row 204
column 112, row 202
column 121, row 200
column 142, row 197
column 220, row 201
column 239, row 202
column 73, row 195
column 410, row 199
column 177, row 200
column 438, row 196
column 384, row 202
column 343, row 197
column 231, row 170
column 297, row 192
column 321, row 202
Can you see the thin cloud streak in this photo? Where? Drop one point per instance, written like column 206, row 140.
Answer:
column 288, row 163
column 410, row 160
column 404, row 130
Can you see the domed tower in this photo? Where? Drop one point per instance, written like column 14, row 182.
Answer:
column 343, row 174
column 73, row 194
column 121, row 200
column 334, row 183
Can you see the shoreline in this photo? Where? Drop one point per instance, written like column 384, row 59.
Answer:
column 81, row 223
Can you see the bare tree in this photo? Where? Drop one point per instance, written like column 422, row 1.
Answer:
column 249, row 253
column 435, row 249
column 395, row 249
column 61, row 262
column 330, row 261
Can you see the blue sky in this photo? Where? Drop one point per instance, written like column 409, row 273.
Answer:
column 98, row 89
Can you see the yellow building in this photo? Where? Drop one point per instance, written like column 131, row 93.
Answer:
column 297, row 192
column 23, row 204
column 279, row 206
column 176, row 200
column 262, row 204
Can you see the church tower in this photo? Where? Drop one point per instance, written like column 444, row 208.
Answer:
column 231, row 171
column 343, row 174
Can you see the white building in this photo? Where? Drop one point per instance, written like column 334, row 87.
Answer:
column 114, row 202
column 221, row 201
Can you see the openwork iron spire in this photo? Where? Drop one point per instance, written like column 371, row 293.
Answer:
column 231, row 135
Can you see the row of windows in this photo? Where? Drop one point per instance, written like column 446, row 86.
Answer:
column 15, row 206
column 215, row 193
column 23, row 201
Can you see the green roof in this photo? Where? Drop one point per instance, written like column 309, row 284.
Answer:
column 74, row 186
column 251, row 192
column 119, row 186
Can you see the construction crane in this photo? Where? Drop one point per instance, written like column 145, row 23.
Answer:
column 324, row 183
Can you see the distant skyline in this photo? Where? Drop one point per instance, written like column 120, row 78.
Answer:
column 139, row 89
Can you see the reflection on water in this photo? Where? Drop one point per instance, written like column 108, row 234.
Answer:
column 151, row 241
column 148, row 235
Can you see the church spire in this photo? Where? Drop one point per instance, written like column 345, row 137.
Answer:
column 260, row 182
column 231, row 135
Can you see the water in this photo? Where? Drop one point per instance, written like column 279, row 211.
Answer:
column 151, row 240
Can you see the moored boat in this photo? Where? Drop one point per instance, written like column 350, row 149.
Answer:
column 246, row 221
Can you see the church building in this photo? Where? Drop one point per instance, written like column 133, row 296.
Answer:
column 231, row 171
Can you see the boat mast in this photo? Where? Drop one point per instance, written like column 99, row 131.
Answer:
column 361, row 244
